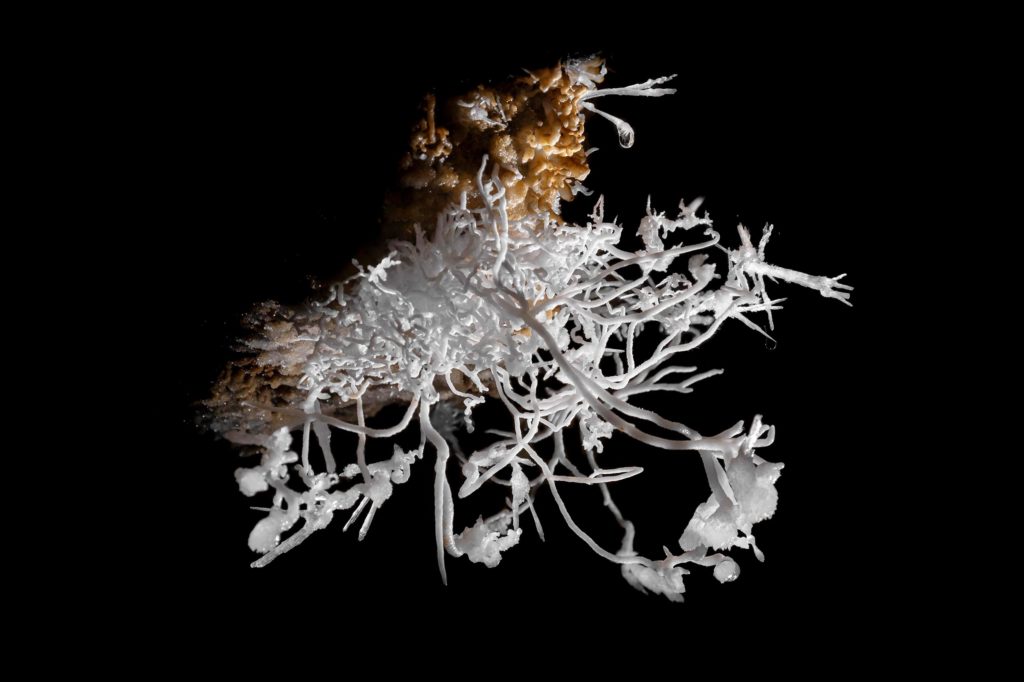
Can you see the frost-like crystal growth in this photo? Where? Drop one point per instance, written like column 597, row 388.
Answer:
column 524, row 309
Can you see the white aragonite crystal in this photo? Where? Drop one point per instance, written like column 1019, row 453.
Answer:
column 543, row 316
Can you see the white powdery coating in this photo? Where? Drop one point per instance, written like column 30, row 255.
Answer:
column 265, row 536
column 251, row 481
column 484, row 545
column 727, row 571
column 542, row 316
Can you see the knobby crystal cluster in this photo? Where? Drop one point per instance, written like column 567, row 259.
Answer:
column 529, row 310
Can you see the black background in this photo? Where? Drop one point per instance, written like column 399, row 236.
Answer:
column 281, row 150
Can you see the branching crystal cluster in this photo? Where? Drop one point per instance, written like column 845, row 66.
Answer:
column 543, row 316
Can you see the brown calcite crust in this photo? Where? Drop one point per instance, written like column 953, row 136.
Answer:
column 531, row 129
